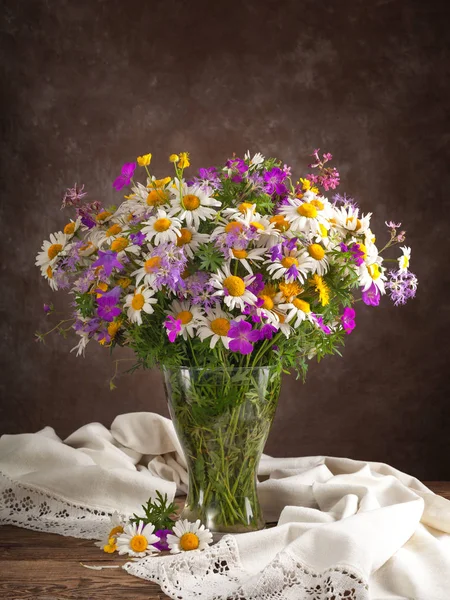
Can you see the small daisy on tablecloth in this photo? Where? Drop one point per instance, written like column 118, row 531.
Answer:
column 189, row 536
column 138, row 540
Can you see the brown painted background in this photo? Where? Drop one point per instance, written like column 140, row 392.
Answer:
column 88, row 85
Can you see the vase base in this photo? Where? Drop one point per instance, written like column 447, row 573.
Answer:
column 219, row 530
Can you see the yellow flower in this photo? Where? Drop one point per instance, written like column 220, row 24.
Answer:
column 321, row 288
column 184, row 160
column 113, row 328
column 144, row 160
column 111, row 546
column 174, row 158
column 161, row 182
column 130, row 196
column 306, row 184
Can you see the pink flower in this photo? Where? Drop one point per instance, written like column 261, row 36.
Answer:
column 348, row 320
column 173, row 327
column 125, row 177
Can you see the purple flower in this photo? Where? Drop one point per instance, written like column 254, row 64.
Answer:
column 208, row 179
column 319, row 321
column 73, row 196
column 137, row 238
column 371, row 297
column 242, row 336
column 266, row 332
column 274, row 181
column 107, row 304
column 344, row 200
column 107, row 260
column 257, row 285
column 357, row 253
column 402, row 286
column 348, row 320
column 48, row 308
column 275, row 253
column 173, row 327
column 125, row 177
column 162, row 534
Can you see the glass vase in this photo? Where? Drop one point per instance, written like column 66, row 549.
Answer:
column 222, row 418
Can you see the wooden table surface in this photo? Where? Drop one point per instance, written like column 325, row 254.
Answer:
column 45, row 566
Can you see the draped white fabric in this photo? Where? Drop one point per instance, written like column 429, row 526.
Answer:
column 346, row 529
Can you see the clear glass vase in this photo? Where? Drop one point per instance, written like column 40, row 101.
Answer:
column 222, row 418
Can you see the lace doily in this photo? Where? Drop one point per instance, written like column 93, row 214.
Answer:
column 217, row 574
column 24, row 506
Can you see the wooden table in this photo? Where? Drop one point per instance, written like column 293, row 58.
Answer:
column 44, row 566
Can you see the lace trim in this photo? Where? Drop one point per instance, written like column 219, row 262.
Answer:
column 24, row 506
column 217, row 574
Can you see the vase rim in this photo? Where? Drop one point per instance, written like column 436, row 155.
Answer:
column 164, row 368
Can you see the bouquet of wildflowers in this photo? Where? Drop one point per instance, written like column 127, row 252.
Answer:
column 237, row 265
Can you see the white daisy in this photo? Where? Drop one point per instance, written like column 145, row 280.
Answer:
column 348, row 219
column 148, row 271
column 403, row 261
column 161, row 228
column 240, row 211
column 192, row 204
column 108, row 541
column 141, row 300
column 305, row 215
column 188, row 314
column 215, row 324
column 298, row 309
column 233, row 288
column 52, row 250
column 243, row 256
column 137, row 540
column 190, row 239
column 319, row 259
column 255, row 161
column 189, row 536
column 281, row 323
column 372, row 273
column 292, row 264
column 72, row 227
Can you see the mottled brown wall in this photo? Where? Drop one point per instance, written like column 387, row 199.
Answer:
column 88, row 85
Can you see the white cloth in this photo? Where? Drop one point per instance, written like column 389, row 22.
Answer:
column 346, row 529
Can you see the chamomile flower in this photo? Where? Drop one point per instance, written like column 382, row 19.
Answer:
column 215, row 325
column 147, row 272
column 240, row 211
column 141, row 300
column 52, row 250
column 319, row 260
column 189, row 536
column 190, row 239
column 108, row 541
column 137, row 540
column 372, row 273
column 349, row 219
column 233, row 288
column 245, row 255
column 281, row 323
column 305, row 215
column 192, row 204
column 292, row 264
column 72, row 227
column 297, row 309
column 162, row 228
column 403, row 261
column 256, row 161
column 268, row 234
column 188, row 314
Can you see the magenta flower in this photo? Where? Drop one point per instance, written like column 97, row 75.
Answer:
column 242, row 337
column 274, row 181
column 125, row 177
column 371, row 297
column 266, row 332
column 107, row 304
column 162, row 534
column 107, row 260
column 173, row 327
column 319, row 322
column 48, row 308
column 348, row 320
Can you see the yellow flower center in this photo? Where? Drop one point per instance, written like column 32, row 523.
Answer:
column 119, row 244
column 289, row 261
column 363, row 249
column 86, row 246
column 323, row 230
column 307, row 209
column 185, row 316
column 49, row 272
column 350, row 220
column 374, row 271
column 124, row 282
column 244, row 206
column 191, row 202
column 280, row 223
column 239, row 253
column 115, row 531
column 185, row 237
column 114, row 230
column 220, row 326
column 290, row 290
column 101, row 286
column 138, row 543
column 111, row 546
column 301, row 305
column 157, row 197
column 138, row 301
column 233, row 226
column 103, row 215
column 69, row 228
column 152, row 264
column 316, row 251
column 234, row 285
column 257, row 225
column 162, row 225
column 281, row 317
column 189, row 541
column 54, row 250
column 318, row 204
column 268, row 302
